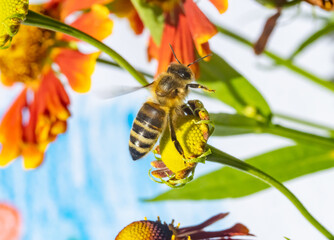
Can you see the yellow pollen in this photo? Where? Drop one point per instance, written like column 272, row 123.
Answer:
column 12, row 13
column 23, row 61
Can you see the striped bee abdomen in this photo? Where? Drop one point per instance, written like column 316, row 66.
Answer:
column 146, row 129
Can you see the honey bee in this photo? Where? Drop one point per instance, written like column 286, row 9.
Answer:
column 169, row 91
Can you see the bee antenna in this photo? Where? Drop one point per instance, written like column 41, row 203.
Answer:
column 174, row 53
column 199, row 59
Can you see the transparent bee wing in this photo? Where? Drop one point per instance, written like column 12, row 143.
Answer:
column 117, row 91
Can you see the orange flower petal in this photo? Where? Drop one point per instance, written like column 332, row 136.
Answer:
column 187, row 45
column 11, row 130
column 71, row 6
column 58, row 127
column 10, row 222
column 135, row 22
column 52, row 95
column 165, row 53
column 32, row 156
column 203, row 50
column 77, row 67
column 48, row 107
column 6, row 81
column 95, row 23
column 152, row 50
column 221, row 5
column 125, row 8
column 200, row 26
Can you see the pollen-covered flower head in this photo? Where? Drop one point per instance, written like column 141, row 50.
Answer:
column 155, row 230
column 145, row 230
column 192, row 129
column 23, row 61
column 12, row 13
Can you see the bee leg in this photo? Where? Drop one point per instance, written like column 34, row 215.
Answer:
column 173, row 136
column 187, row 109
column 195, row 85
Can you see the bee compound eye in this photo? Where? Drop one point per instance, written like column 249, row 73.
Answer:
column 184, row 74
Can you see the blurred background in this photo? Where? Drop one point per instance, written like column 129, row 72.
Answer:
column 89, row 188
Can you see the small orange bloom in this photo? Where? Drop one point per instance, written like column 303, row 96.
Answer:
column 10, row 222
column 186, row 28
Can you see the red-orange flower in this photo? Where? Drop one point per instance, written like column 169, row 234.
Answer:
column 186, row 28
column 40, row 112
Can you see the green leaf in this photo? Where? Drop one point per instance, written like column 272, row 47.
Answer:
column 152, row 18
column 283, row 164
column 234, row 124
column 313, row 38
column 233, row 89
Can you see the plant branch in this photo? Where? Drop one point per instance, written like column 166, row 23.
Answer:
column 303, row 122
column 100, row 60
column 226, row 159
column 279, row 60
column 41, row 21
column 299, row 135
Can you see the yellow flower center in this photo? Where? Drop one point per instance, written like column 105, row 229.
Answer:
column 24, row 59
column 12, row 13
column 145, row 230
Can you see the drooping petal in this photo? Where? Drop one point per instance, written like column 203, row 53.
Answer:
column 187, row 45
column 71, row 6
column 11, row 130
column 77, row 67
column 48, row 115
column 200, row 26
column 135, row 22
column 125, row 8
column 152, row 50
column 95, row 23
column 32, row 156
column 54, row 97
column 10, row 222
column 221, row 5
column 165, row 53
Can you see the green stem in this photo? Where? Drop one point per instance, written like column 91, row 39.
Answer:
column 224, row 158
column 299, row 135
column 100, row 60
column 41, row 21
column 279, row 60
column 303, row 122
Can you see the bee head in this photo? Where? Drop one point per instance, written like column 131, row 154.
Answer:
column 181, row 71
